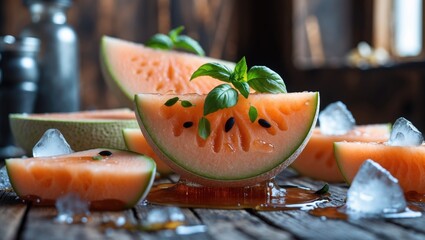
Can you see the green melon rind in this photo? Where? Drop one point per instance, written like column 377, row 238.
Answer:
column 102, row 133
column 116, row 84
column 338, row 163
column 273, row 170
column 144, row 191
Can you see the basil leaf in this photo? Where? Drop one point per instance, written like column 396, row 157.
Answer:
column 160, row 41
column 170, row 102
column 222, row 96
column 243, row 88
column 174, row 33
column 263, row 79
column 189, row 44
column 186, row 104
column 253, row 114
column 240, row 72
column 214, row 70
column 204, row 128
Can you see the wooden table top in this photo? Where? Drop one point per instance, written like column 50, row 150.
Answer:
column 25, row 221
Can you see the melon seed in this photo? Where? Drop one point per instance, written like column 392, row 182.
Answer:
column 264, row 123
column 105, row 153
column 229, row 124
column 187, row 124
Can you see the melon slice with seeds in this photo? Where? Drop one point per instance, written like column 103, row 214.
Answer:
column 239, row 154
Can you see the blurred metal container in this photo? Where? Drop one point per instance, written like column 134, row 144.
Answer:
column 58, row 58
column 19, row 76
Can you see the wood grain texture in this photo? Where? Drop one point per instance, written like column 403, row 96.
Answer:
column 12, row 212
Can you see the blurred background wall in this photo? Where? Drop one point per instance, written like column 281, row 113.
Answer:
column 308, row 42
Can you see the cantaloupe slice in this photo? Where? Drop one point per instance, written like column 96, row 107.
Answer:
column 317, row 159
column 82, row 130
column 130, row 68
column 136, row 142
column 113, row 181
column 246, row 154
column 407, row 164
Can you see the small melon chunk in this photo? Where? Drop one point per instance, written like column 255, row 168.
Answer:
column 407, row 164
column 107, row 178
column 136, row 142
column 317, row 159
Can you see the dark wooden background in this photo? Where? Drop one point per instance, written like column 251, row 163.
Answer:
column 264, row 32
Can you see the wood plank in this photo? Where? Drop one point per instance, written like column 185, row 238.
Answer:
column 238, row 224
column 12, row 212
column 41, row 224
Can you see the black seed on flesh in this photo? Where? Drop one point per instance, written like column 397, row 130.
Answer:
column 187, row 124
column 264, row 123
column 229, row 124
column 105, row 153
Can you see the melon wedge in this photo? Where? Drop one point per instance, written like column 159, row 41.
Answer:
column 245, row 155
column 130, row 68
column 114, row 182
column 136, row 142
column 407, row 164
column 82, row 130
column 317, row 160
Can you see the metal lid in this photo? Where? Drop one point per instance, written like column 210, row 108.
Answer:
column 23, row 44
column 64, row 3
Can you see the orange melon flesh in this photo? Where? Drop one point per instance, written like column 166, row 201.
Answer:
column 407, row 164
column 245, row 155
column 130, row 68
column 136, row 142
column 317, row 159
column 121, row 179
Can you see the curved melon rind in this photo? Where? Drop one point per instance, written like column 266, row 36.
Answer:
column 245, row 180
column 109, row 178
column 81, row 134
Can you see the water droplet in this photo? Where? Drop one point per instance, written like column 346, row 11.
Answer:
column 262, row 146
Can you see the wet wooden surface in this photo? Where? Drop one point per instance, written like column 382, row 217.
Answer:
column 24, row 221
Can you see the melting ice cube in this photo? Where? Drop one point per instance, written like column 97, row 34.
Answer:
column 374, row 191
column 71, row 208
column 336, row 119
column 4, row 180
column 52, row 143
column 162, row 216
column 404, row 133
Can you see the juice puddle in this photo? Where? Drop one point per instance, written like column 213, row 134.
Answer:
column 263, row 196
column 342, row 214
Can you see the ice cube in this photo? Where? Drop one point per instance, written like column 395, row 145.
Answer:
column 336, row 119
column 4, row 180
column 374, row 191
column 71, row 208
column 404, row 133
column 162, row 216
column 52, row 143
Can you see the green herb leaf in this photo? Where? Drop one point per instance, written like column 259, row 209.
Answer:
column 253, row 114
column 204, row 128
column 240, row 72
column 323, row 190
column 186, row 103
column 222, row 96
column 215, row 70
column 97, row 157
column 170, row 102
column 189, row 44
column 160, row 41
column 175, row 32
column 263, row 79
column 243, row 88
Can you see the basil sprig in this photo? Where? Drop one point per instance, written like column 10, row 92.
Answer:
column 174, row 40
column 260, row 78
